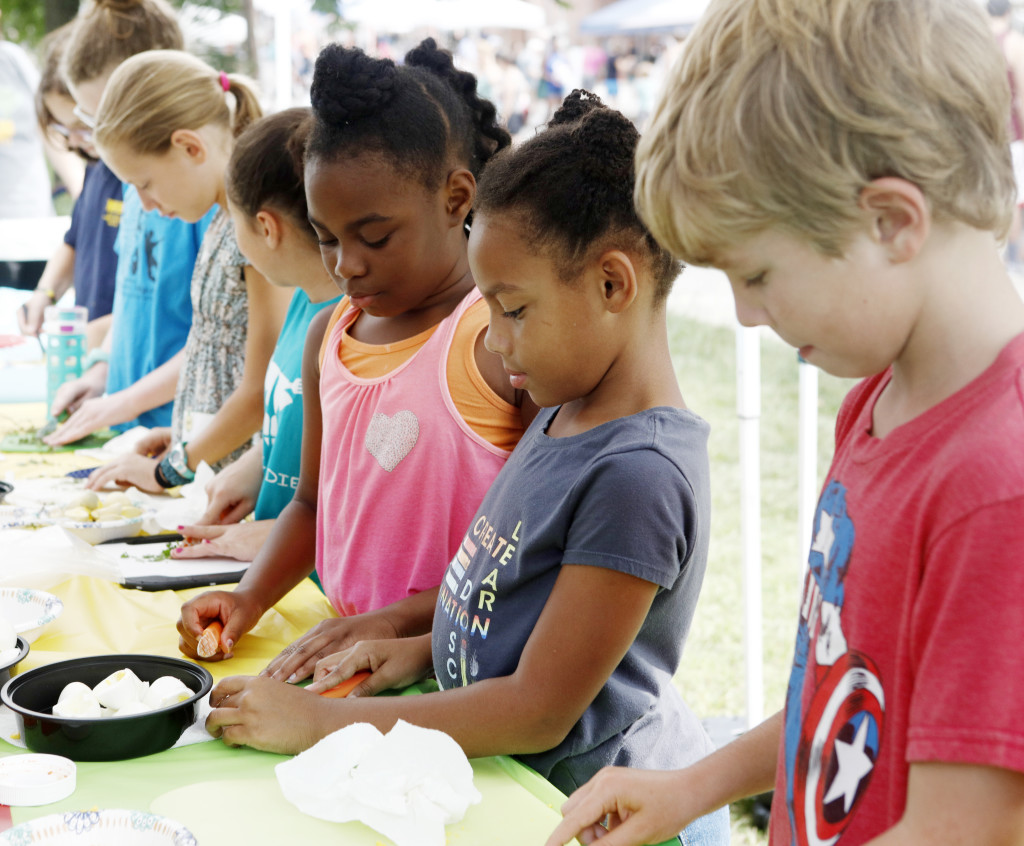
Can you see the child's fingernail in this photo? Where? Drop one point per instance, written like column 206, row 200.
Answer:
column 292, row 679
column 180, row 528
column 177, row 549
column 206, row 540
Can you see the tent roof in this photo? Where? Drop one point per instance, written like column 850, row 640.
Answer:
column 626, row 17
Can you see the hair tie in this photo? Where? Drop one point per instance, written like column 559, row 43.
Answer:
column 225, row 83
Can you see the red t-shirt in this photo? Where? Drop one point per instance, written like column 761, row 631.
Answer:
column 909, row 646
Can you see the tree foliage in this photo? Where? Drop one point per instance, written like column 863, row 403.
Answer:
column 27, row 21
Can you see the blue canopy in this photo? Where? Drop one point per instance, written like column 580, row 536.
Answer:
column 638, row 17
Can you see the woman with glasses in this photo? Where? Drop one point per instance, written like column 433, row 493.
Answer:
column 86, row 259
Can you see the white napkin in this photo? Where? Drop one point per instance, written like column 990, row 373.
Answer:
column 119, row 445
column 189, row 506
column 42, row 558
column 408, row 784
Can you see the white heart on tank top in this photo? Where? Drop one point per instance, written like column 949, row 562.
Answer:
column 390, row 439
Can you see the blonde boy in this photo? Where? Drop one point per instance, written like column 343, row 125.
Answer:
column 846, row 163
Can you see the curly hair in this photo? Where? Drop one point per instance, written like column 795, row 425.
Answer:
column 424, row 116
column 571, row 188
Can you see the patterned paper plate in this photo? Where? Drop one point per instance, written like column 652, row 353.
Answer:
column 100, row 828
column 28, row 610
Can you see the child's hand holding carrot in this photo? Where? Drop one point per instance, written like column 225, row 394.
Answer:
column 234, row 612
column 391, row 664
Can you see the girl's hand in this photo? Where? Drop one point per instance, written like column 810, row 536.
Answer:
column 126, row 471
column 236, row 611
column 30, row 314
column 93, row 412
column 298, row 660
column 154, row 443
column 393, row 664
column 240, row 541
column 625, row 807
column 265, row 714
column 231, row 494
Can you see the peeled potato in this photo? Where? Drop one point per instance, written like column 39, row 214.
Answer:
column 8, row 637
column 108, row 512
column 128, row 511
column 88, row 499
column 78, row 514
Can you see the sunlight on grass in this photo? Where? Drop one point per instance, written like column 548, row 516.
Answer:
column 712, row 674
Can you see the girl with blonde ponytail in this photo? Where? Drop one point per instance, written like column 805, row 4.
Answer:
column 132, row 378
column 166, row 124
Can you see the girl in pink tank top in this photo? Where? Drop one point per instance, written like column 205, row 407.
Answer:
column 390, row 471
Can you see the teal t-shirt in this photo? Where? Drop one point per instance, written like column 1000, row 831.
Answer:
column 282, row 417
column 152, row 296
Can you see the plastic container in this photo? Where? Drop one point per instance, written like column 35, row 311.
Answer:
column 36, row 779
column 32, row 695
column 64, row 327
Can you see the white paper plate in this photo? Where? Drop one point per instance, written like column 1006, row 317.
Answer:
column 103, row 530
column 29, row 610
column 101, row 828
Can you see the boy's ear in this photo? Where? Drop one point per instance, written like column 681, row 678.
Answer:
column 460, row 192
column 617, row 277
column 899, row 216
column 190, row 143
column 268, row 225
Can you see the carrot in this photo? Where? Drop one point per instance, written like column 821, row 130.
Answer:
column 347, row 686
column 209, row 641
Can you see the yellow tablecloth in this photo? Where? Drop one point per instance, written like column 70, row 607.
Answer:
column 230, row 796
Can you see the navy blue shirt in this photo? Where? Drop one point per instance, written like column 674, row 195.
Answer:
column 94, row 222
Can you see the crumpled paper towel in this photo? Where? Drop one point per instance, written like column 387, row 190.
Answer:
column 408, row 784
column 189, row 506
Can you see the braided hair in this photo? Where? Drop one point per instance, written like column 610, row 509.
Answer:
column 571, row 187
column 424, row 116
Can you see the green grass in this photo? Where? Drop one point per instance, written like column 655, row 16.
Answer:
column 712, row 675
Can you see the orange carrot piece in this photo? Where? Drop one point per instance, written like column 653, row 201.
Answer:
column 347, row 686
column 209, row 641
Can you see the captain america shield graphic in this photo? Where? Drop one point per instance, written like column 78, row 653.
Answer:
column 838, row 749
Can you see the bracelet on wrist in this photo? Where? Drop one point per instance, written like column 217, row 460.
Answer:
column 50, row 293
column 95, row 356
column 167, row 476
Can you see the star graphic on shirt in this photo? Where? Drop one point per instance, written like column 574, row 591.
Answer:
column 854, row 764
column 823, row 539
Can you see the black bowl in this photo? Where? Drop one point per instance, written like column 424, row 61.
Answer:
column 5, row 488
column 7, row 669
column 33, row 694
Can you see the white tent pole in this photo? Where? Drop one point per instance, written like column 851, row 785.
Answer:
column 808, row 464
column 282, row 54
column 748, row 407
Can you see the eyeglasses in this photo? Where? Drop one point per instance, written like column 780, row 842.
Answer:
column 79, row 134
column 84, row 117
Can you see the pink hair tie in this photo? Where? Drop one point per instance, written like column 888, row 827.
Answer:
column 225, row 83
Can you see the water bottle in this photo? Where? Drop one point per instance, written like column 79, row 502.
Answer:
column 64, row 327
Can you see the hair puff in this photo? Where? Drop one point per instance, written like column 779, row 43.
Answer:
column 349, row 85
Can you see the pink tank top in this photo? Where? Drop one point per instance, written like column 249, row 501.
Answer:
column 401, row 474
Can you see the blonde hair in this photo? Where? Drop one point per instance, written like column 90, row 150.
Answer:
column 106, row 32
column 153, row 94
column 779, row 112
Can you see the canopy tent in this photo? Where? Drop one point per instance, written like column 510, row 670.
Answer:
column 639, row 17
column 450, row 15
